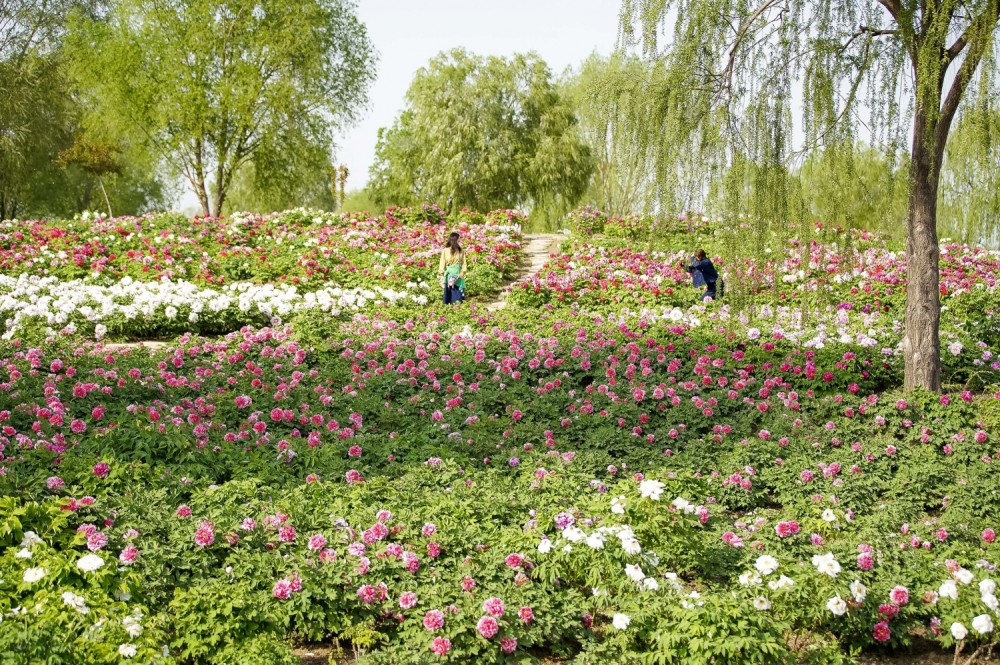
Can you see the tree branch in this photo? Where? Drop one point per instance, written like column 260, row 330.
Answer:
column 726, row 76
column 977, row 47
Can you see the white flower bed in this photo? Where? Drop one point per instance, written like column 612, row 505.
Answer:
column 79, row 304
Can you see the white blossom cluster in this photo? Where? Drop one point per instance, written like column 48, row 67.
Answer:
column 81, row 304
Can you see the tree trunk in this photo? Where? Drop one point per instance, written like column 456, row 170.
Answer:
column 921, row 343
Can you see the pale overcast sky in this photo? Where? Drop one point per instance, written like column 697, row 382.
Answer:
column 407, row 33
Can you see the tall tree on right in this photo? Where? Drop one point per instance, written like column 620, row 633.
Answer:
column 899, row 69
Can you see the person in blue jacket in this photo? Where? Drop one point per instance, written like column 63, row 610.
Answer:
column 703, row 273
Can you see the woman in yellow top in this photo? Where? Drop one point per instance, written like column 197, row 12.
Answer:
column 452, row 269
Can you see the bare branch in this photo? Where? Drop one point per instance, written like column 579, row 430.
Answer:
column 726, row 76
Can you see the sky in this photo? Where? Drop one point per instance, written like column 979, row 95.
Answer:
column 407, row 33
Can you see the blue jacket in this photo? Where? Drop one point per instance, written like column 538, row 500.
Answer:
column 703, row 272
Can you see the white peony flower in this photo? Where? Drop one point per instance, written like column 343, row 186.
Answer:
column 761, row 603
column 983, row 624
column 618, row 505
column 621, row 621
column 837, row 605
column 948, row 589
column 545, row 546
column 749, row 579
column 990, row 601
column 127, row 650
column 958, row 631
column 596, row 540
column 30, row 539
column 32, row 575
column 651, row 489
column 766, row 564
column 783, row 582
column 987, row 586
column 963, row 576
column 23, row 553
column 573, row 534
column 89, row 563
column 75, row 601
column 829, row 516
column 634, row 572
column 826, row 564
column 859, row 591
column 683, row 505
column 650, row 584
column 631, row 546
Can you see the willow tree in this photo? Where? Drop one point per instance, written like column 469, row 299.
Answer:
column 898, row 70
column 216, row 85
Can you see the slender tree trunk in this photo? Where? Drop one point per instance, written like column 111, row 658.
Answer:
column 199, row 179
column 921, row 343
column 100, row 181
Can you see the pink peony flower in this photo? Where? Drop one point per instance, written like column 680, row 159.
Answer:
column 428, row 530
column 317, row 542
column 101, row 470
column 468, row 584
column 487, row 627
column 96, row 541
column 434, row 620
column 128, row 555
column 408, row 600
column 988, row 535
column 881, row 632
column 184, row 511
column 282, row 589
column 440, row 646
column 367, row 594
column 433, row 550
column 494, row 606
column 866, row 561
column 899, row 595
column 526, row 614
column 286, row 533
column 204, row 537
column 514, row 560
column 508, row 644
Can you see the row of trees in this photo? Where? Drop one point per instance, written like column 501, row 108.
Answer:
column 487, row 133
column 106, row 102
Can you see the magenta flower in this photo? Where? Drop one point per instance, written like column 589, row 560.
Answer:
column 408, row 600
column 101, row 470
column 508, row 644
column 494, row 606
column 899, row 595
column 184, row 511
column 866, row 561
column 434, row 620
column 487, row 627
column 367, row 594
column 96, row 541
column 988, row 535
column 317, row 542
column 129, row 555
column 881, row 632
column 526, row 614
column 204, row 537
column 440, row 646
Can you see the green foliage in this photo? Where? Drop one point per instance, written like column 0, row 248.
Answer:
column 483, row 133
column 969, row 206
column 618, row 100
column 855, row 187
column 213, row 85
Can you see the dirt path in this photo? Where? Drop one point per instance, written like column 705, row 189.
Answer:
column 537, row 251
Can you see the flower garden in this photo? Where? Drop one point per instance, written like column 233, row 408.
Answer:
column 601, row 472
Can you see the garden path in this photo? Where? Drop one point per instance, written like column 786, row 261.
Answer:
column 537, row 251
